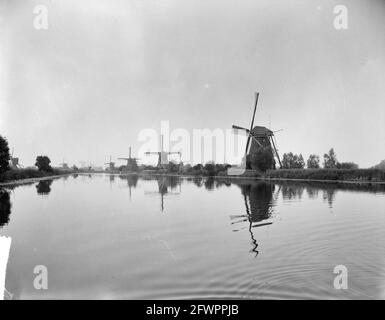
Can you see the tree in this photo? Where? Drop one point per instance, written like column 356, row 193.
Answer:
column 292, row 161
column 262, row 159
column 287, row 160
column 299, row 163
column 4, row 155
column 210, row 168
column 43, row 163
column 313, row 162
column 330, row 159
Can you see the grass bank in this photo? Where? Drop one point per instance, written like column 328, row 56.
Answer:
column 355, row 175
column 15, row 175
column 324, row 175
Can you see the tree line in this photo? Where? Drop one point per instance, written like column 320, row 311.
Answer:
column 294, row 161
column 43, row 164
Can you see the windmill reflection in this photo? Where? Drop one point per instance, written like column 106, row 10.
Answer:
column 259, row 201
column 44, row 187
column 165, row 185
column 132, row 181
column 5, row 207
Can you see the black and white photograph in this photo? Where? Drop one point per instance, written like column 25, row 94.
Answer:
column 182, row 150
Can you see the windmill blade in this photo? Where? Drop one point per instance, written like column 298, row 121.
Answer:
column 252, row 120
column 240, row 128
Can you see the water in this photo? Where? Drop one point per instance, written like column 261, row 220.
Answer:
column 104, row 237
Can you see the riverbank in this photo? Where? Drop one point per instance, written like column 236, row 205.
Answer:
column 357, row 176
column 332, row 175
column 346, row 176
column 25, row 176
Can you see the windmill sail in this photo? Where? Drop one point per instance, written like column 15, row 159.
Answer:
column 252, row 121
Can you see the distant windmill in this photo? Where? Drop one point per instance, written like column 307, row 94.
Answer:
column 111, row 165
column 163, row 156
column 64, row 165
column 14, row 162
column 260, row 137
column 131, row 162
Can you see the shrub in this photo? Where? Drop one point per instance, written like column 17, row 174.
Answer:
column 262, row 159
column 347, row 165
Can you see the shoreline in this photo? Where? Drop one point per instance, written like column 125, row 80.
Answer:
column 253, row 178
column 32, row 180
column 37, row 179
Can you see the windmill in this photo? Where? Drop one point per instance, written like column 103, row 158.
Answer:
column 260, row 137
column 131, row 162
column 111, row 165
column 163, row 156
column 64, row 165
column 14, row 162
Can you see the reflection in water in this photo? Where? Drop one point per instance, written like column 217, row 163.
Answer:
column 164, row 184
column 258, row 201
column 132, row 181
column 44, row 187
column 198, row 181
column 292, row 192
column 295, row 254
column 209, row 183
column 5, row 207
column 312, row 192
column 329, row 196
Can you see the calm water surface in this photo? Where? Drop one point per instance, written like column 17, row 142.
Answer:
column 104, row 237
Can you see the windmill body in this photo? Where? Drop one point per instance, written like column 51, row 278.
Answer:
column 163, row 156
column 132, row 164
column 111, row 165
column 260, row 138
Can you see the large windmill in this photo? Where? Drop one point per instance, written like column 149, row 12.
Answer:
column 163, row 156
column 260, row 137
column 131, row 162
column 111, row 165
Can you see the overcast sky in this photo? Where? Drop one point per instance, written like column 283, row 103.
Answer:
column 105, row 70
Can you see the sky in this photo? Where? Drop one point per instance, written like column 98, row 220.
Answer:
column 104, row 71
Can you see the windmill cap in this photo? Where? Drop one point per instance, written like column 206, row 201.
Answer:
column 261, row 131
